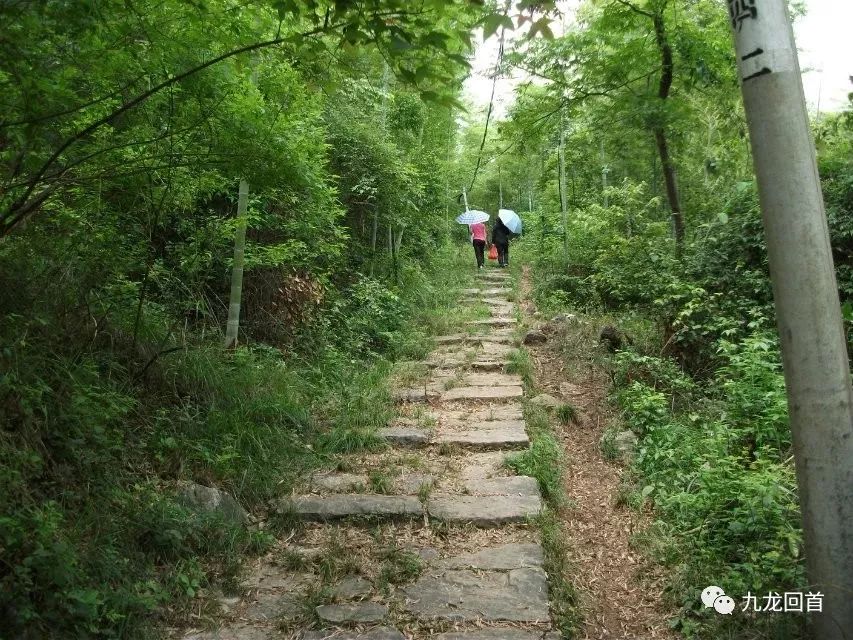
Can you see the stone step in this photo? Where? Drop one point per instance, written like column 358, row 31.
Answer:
column 510, row 436
column 403, row 484
column 489, row 366
column 462, row 595
column 496, row 339
column 402, row 436
column 496, row 321
column 483, row 511
column 458, row 338
column 491, row 380
column 505, row 557
column 482, row 393
column 333, row 507
column 500, row 633
column 377, row 633
column 352, row 612
column 488, row 292
column 505, row 486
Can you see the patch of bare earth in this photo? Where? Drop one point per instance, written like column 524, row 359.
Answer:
column 620, row 589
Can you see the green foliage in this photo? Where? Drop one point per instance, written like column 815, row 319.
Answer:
column 720, row 475
column 566, row 414
column 543, row 460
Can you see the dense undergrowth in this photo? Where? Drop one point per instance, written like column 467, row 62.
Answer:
column 700, row 384
column 93, row 537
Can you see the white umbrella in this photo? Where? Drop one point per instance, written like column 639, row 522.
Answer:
column 510, row 219
column 472, row 217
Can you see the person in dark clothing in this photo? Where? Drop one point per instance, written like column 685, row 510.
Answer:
column 500, row 236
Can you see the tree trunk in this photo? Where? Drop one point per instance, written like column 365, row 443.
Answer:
column 233, row 327
column 563, row 194
column 665, row 84
column 671, row 188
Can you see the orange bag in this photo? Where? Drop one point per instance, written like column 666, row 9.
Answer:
column 493, row 253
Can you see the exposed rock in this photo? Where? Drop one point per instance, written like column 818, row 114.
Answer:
column 344, row 506
column 520, row 595
column 487, row 435
column 492, row 380
column 613, row 338
column 403, row 436
column 209, row 500
column 545, row 400
column 352, row 587
column 625, row 443
column 535, row 336
column 352, row 612
column 502, row 558
column 507, row 486
column 484, row 511
column 482, row 393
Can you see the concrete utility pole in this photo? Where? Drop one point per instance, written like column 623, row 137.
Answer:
column 817, row 371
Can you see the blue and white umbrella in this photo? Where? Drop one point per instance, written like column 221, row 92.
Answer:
column 511, row 220
column 472, row 217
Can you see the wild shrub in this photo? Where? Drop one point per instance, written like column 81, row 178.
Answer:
column 721, row 478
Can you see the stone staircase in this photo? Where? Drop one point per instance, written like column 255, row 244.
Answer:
column 440, row 502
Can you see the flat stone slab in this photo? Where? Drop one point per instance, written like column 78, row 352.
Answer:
column 352, row 587
column 454, row 339
column 496, row 339
column 503, row 558
column 471, row 418
column 493, row 322
column 347, row 505
column 506, row 486
column 241, row 632
column 496, row 301
column 483, row 393
column 500, row 436
column 520, row 595
column 492, row 380
column 484, row 511
column 404, row 436
column 352, row 612
column 489, row 365
column 497, row 291
column 498, row 633
column 377, row 633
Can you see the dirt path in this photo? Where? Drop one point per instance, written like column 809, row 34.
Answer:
column 620, row 589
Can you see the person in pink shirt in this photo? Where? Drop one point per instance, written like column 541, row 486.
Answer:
column 478, row 239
